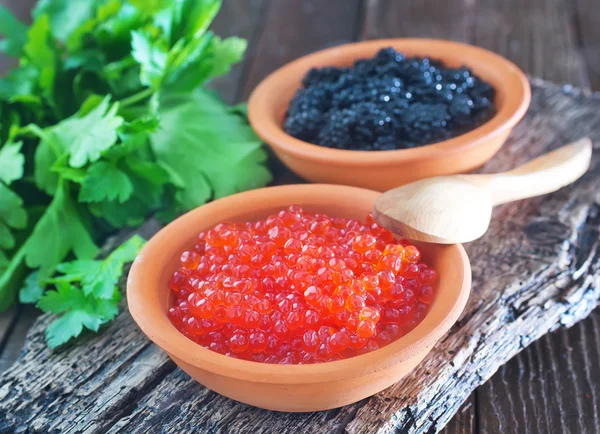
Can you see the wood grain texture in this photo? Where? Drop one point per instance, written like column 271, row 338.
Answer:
column 586, row 16
column 534, row 393
column 531, row 47
column 449, row 19
column 528, row 275
column 12, row 342
column 7, row 321
column 291, row 29
column 243, row 19
column 538, row 35
column 294, row 28
column 561, row 373
column 463, row 422
column 532, row 272
column 535, row 34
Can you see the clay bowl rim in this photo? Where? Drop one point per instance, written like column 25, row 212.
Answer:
column 144, row 299
column 265, row 120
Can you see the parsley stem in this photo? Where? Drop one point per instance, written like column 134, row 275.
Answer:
column 40, row 133
column 136, row 97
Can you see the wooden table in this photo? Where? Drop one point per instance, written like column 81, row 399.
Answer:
column 558, row 40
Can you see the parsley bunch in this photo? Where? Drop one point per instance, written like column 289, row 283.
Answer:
column 104, row 122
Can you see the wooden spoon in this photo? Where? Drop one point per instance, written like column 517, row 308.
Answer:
column 457, row 209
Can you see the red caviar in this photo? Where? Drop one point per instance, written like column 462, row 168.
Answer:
column 299, row 288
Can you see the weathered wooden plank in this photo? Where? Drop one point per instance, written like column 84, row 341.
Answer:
column 463, row 422
column 294, row 28
column 551, row 389
column 586, row 15
column 530, row 274
column 43, row 387
column 122, row 365
column 450, row 19
column 416, row 28
column 538, row 35
column 537, row 268
column 190, row 406
column 241, row 18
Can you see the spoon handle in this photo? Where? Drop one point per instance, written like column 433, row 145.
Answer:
column 542, row 175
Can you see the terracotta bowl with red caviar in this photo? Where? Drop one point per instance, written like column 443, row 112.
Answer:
column 288, row 383
column 383, row 170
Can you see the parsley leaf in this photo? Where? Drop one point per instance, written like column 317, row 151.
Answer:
column 59, row 231
column 127, row 251
column 11, row 210
column 65, row 15
column 219, row 156
column 114, row 29
column 81, row 312
column 194, row 16
column 151, row 6
column 14, row 33
column 3, row 262
column 92, row 304
column 100, row 277
column 189, row 64
column 152, row 57
column 226, row 52
column 104, row 181
column 46, row 155
column 132, row 212
column 19, row 83
column 64, row 298
column 106, row 12
column 83, row 136
column 11, row 162
column 115, row 128
column 92, row 134
column 12, row 213
column 205, row 58
column 42, row 53
column 149, row 181
column 31, row 291
column 70, row 326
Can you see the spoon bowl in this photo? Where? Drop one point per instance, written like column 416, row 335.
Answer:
column 457, row 209
column 435, row 210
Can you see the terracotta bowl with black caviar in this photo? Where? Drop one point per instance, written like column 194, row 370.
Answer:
column 293, row 388
column 385, row 169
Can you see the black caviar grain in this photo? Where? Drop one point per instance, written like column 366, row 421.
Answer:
column 388, row 102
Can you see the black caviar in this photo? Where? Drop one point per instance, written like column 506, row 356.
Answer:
column 388, row 102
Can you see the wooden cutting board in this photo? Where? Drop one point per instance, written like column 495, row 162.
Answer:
column 537, row 268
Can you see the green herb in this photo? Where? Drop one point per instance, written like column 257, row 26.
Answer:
column 104, row 123
column 12, row 213
column 86, row 292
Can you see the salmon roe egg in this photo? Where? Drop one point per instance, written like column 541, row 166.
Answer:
column 298, row 288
